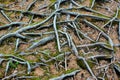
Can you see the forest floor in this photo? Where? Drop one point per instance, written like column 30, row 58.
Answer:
column 59, row 40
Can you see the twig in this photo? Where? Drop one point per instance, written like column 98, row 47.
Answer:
column 98, row 37
column 76, row 4
column 112, row 18
column 89, row 69
column 56, row 33
column 104, row 34
column 2, row 12
column 84, row 35
column 17, row 44
column 67, row 36
column 102, row 44
column 7, row 67
column 55, row 58
column 21, row 72
column 41, row 42
column 4, row 37
column 25, row 77
column 66, row 61
column 30, row 5
column 93, row 2
column 76, row 31
column 57, row 23
column 119, row 31
column 66, row 75
column 11, row 25
column 26, row 12
column 16, row 34
column 31, row 19
column 73, row 47
column 29, row 67
column 87, row 15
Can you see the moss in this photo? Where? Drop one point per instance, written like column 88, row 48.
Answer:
column 119, row 14
column 2, row 23
column 55, row 53
column 102, row 16
column 81, row 64
column 90, row 63
column 52, row 1
column 36, row 78
column 14, row 64
column 6, row 1
column 91, row 2
column 108, row 45
column 59, row 74
column 69, row 71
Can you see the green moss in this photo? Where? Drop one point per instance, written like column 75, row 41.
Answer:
column 65, row 72
column 108, row 45
column 52, row 1
column 102, row 16
column 81, row 64
column 69, row 71
column 2, row 23
column 90, row 63
column 55, row 53
column 6, row 1
column 14, row 64
column 36, row 78
column 119, row 14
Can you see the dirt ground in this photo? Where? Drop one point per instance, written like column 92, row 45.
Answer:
column 51, row 39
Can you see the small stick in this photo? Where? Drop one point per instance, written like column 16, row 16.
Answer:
column 76, row 4
column 112, row 18
column 54, row 58
column 21, row 72
column 57, row 23
column 74, row 49
column 41, row 42
column 89, row 69
column 31, row 19
column 7, row 67
column 104, row 34
column 67, row 36
column 11, row 35
column 29, row 67
column 25, row 77
column 30, row 5
column 80, row 32
column 76, row 31
column 98, row 36
column 56, row 33
column 17, row 44
column 119, row 31
column 2, row 12
column 102, row 44
column 27, row 12
column 11, row 24
column 65, row 61
column 28, row 8
column 93, row 44
column 87, row 15
column 93, row 2
column 66, row 75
